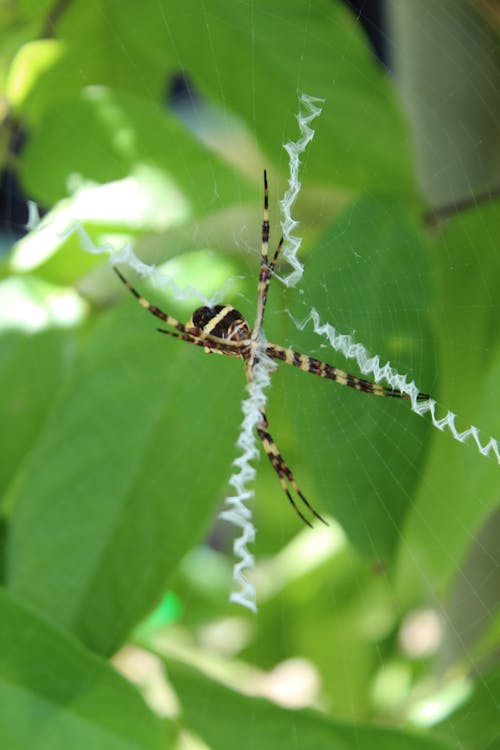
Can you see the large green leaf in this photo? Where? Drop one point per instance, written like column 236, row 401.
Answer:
column 31, row 372
column 142, row 171
column 119, row 134
column 460, row 487
column 125, row 478
column 369, row 277
column 46, row 71
column 218, row 715
column 252, row 60
column 57, row 695
column 476, row 721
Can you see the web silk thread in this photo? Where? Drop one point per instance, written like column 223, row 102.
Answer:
column 242, row 478
column 34, row 220
column 126, row 255
column 370, row 365
column 311, row 107
column 237, row 511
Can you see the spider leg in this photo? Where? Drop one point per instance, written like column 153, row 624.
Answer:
column 198, row 342
column 324, row 370
column 283, row 471
column 266, row 267
column 183, row 337
column 199, row 338
column 149, row 307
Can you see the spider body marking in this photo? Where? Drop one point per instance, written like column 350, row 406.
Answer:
column 222, row 329
column 223, row 321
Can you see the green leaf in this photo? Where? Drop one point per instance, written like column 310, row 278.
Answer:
column 47, row 71
column 253, row 59
column 35, row 61
column 369, row 278
column 476, row 721
column 218, row 714
column 125, row 478
column 55, row 694
column 460, row 486
column 31, row 373
column 118, row 135
column 138, row 170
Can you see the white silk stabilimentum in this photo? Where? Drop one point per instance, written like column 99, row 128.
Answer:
column 237, row 512
column 243, row 477
column 123, row 254
column 370, row 365
column 126, row 255
column 291, row 243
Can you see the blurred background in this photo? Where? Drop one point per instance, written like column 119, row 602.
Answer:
column 149, row 126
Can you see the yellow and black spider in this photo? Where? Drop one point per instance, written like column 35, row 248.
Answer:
column 224, row 330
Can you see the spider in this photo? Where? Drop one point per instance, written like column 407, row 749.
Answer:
column 222, row 329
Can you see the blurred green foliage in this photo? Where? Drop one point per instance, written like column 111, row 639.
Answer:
column 117, row 444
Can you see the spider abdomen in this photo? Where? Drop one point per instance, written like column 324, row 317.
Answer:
column 223, row 321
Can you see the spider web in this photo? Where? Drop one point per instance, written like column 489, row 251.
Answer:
column 342, row 339
column 243, row 478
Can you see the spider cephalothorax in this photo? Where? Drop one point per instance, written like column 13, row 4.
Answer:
column 223, row 321
column 224, row 330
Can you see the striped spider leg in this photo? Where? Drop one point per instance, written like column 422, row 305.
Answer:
column 291, row 357
column 285, row 474
column 222, row 329
column 189, row 332
column 324, row 370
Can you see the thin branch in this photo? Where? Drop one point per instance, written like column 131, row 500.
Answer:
column 433, row 216
column 52, row 18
